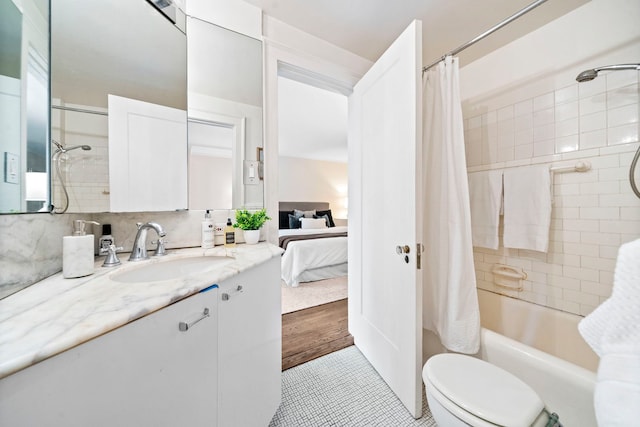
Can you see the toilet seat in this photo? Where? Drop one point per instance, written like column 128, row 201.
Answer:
column 483, row 390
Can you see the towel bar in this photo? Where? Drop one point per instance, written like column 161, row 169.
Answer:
column 580, row 166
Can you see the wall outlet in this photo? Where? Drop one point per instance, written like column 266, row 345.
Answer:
column 218, row 229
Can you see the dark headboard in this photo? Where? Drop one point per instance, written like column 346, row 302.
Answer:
column 303, row 206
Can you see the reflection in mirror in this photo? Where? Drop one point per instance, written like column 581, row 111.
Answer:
column 24, row 102
column 118, row 47
column 225, row 117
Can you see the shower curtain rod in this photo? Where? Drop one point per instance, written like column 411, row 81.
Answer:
column 79, row 110
column 488, row 32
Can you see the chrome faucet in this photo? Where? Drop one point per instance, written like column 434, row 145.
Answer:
column 139, row 251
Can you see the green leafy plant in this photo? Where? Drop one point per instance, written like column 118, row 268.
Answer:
column 246, row 220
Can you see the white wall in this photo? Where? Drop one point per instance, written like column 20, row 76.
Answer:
column 338, row 68
column 523, row 106
column 304, row 180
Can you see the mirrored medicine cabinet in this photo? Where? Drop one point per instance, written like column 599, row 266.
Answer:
column 128, row 50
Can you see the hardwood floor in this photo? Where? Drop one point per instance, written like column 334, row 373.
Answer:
column 314, row 332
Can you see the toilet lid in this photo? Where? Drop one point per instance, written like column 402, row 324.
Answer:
column 484, row 390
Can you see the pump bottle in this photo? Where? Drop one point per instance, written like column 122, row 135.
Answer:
column 229, row 234
column 207, row 231
column 77, row 251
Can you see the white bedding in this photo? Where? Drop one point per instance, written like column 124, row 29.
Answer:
column 306, row 258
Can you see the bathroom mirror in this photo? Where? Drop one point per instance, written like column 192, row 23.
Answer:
column 24, row 106
column 93, row 55
column 225, row 117
column 127, row 48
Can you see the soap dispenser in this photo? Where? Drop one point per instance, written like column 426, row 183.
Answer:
column 77, row 251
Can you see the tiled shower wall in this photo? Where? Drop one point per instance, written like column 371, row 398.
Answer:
column 593, row 212
column 85, row 173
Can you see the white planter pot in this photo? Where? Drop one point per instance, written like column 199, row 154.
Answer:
column 251, row 237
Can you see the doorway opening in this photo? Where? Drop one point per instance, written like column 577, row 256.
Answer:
column 312, row 162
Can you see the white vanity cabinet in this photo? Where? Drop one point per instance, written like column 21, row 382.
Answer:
column 250, row 346
column 145, row 373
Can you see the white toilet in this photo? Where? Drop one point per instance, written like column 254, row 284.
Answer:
column 464, row 390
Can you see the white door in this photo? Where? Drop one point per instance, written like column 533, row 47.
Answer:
column 385, row 287
column 147, row 156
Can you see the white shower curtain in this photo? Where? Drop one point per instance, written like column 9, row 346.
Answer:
column 450, row 305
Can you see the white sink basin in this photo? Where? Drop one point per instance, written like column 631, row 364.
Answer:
column 171, row 270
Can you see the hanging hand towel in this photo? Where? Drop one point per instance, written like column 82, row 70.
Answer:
column 527, row 208
column 485, row 196
column 613, row 331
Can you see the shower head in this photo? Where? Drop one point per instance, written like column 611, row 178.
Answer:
column 84, row 147
column 591, row 74
column 62, row 149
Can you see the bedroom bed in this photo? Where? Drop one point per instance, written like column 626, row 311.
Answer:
column 314, row 247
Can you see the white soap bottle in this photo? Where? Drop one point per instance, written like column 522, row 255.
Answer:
column 77, row 251
column 207, row 231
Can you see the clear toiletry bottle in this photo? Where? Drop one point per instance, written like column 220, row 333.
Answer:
column 207, row 231
column 77, row 251
column 106, row 240
column 229, row 234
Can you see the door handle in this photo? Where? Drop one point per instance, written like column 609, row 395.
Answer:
column 184, row 326
column 403, row 250
column 400, row 250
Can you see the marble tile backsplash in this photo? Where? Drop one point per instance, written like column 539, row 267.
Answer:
column 31, row 248
column 31, row 244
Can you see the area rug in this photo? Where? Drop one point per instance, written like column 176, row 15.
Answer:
column 311, row 294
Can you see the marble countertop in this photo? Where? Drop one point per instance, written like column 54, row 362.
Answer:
column 56, row 314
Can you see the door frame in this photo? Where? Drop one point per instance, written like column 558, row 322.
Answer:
column 339, row 74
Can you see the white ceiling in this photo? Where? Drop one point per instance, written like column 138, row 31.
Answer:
column 367, row 28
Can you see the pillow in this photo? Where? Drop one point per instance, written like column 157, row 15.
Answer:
column 306, row 214
column 294, row 221
column 330, row 222
column 283, row 219
column 312, row 223
column 325, row 217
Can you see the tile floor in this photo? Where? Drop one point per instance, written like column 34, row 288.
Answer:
column 341, row 389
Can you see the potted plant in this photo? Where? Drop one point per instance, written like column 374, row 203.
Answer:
column 250, row 224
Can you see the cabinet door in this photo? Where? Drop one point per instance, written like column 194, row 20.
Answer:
column 146, row 373
column 250, row 347
column 147, row 156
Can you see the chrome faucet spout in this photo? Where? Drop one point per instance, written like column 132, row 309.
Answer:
column 139, row 251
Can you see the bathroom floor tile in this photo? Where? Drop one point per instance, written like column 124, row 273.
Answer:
column 341, row 389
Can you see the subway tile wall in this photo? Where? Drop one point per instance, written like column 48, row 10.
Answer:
column 593, row 212
column 85, row 173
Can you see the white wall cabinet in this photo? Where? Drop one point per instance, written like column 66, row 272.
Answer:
column 250, row 347
column 146, row 373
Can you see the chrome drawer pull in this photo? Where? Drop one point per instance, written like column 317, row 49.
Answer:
column 184, row 326
column 225, row 296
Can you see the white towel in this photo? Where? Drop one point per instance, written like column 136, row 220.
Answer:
column 613, row 331
column 527, row 208
column 485, row 196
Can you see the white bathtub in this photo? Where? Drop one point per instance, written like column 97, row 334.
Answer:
column 564, row 386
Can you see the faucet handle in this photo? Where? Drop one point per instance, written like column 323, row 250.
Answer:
column 112, row 259
column 160, row 249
